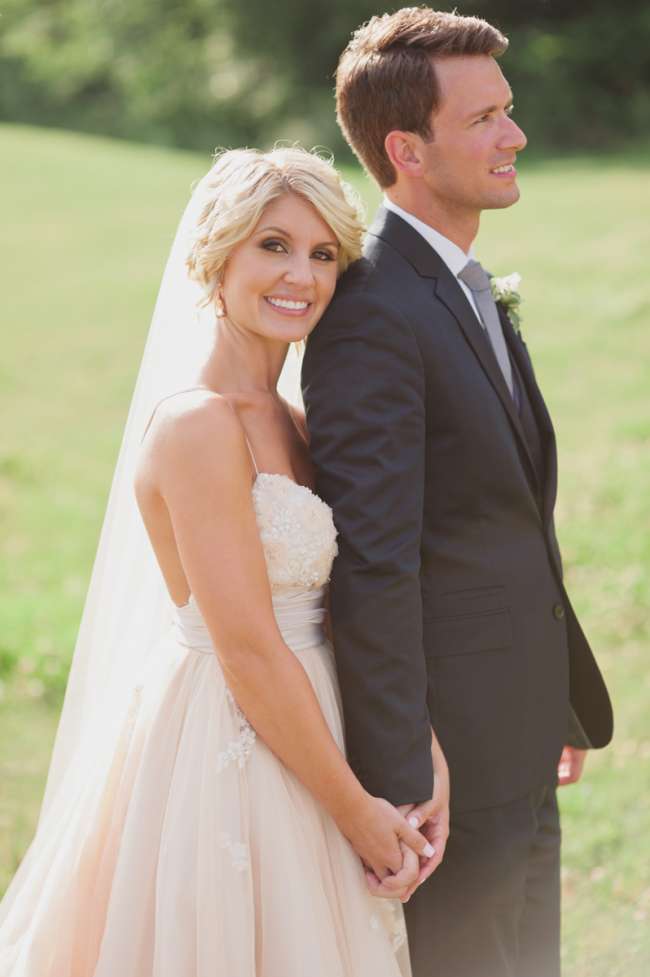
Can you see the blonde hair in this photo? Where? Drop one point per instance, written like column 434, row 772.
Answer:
column 243, row 182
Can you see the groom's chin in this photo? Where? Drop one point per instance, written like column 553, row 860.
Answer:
column 506, row 198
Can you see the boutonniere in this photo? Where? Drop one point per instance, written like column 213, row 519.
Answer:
column 506, row 291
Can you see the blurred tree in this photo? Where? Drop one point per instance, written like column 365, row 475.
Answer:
column 156, row 70
column 197, row 73
column 580, row 71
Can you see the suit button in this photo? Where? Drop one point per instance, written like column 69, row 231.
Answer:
column 558, row 612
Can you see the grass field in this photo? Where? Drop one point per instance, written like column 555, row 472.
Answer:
column 87, row 223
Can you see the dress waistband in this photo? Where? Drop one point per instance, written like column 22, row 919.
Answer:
column 299, row 615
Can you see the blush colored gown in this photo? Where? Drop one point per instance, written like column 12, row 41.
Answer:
column 201, row 854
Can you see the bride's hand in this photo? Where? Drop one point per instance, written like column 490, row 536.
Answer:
column 396, row 886
column 375, row 830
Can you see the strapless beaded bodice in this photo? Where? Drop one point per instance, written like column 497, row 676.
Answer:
column 297, row 532
column 299, row 541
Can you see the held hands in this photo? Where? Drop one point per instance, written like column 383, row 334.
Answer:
column 381, row 835
column 432, row 819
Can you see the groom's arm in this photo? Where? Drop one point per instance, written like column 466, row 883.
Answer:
column 364, row 392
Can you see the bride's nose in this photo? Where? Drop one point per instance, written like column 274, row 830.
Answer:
column 299, row 271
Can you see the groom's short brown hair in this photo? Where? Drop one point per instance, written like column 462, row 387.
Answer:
column 386, row 79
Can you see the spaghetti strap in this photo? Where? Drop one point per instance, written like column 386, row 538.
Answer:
column 162, row 401
column 248, row 444
column 188, row 390
column 250, row 451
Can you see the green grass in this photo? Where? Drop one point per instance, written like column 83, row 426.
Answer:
column 87, row 224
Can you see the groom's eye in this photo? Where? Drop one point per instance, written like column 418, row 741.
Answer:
column 273, row 244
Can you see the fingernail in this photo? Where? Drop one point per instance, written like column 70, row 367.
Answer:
column 413, row 822
column 429, row 850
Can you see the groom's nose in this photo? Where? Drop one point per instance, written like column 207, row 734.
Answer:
column 512, row 136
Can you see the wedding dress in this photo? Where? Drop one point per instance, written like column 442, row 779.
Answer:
column 200, row 854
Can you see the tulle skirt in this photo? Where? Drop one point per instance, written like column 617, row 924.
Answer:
column 199, row 854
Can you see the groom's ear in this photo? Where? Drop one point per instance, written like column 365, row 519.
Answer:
column 402, row 149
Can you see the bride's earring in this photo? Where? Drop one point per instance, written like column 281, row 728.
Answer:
column 219, row 305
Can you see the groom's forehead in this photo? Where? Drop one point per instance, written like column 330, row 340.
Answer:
column 468, row 83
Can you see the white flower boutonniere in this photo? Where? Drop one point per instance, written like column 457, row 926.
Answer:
column 506, row 291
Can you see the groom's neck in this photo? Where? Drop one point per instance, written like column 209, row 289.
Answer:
column 456, row 222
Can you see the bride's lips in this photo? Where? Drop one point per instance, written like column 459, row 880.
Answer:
column 295, row 308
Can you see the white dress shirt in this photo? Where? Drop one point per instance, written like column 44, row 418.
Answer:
column 453, row 256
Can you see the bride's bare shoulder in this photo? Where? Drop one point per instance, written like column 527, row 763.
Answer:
column 193, row 433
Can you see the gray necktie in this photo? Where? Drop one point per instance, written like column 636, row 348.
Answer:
column 478, row 282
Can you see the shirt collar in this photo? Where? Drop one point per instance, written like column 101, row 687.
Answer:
column 453, row 256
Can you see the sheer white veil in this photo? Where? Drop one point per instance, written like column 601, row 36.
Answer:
column 127, row 607
column 124, row 612
column 127, row 610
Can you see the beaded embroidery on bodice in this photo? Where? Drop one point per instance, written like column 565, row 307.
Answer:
column 297, row 533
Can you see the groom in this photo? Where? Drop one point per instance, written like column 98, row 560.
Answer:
column 434, row 447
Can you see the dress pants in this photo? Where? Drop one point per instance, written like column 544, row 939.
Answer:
column 492, row 908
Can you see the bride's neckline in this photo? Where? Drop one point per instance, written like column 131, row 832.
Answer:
column 287, row 478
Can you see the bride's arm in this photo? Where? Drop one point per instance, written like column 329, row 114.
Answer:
column 200, row 465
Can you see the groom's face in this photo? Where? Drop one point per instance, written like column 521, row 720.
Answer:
column 469, row 164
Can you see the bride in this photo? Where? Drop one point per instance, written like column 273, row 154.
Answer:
column 199, row 817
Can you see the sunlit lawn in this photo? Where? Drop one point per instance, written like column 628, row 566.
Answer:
column 87, row 224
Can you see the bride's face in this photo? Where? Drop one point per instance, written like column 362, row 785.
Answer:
column 278, row 282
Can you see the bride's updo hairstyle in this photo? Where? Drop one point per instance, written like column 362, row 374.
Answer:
column 243, row 182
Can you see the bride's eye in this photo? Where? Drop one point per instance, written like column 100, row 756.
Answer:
column 323, row 255
column 273, row 244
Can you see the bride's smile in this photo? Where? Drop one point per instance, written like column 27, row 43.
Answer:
column 278, row 282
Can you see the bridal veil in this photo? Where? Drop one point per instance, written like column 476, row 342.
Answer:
column 126, row 612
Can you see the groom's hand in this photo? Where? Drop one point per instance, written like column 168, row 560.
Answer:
column 569, row 770
column 432, row 818
column 433, row 821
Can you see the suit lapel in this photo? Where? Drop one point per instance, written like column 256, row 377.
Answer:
column 411, row 245
column 450, row 294
column 519, row 353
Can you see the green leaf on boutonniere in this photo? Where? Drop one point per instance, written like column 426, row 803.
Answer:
column 506, row 291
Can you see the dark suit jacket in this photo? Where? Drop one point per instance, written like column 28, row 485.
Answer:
column 447, row 601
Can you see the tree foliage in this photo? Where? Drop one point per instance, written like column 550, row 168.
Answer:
column 199, row 73
column 162, row 71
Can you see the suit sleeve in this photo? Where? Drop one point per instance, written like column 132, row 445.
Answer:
column 364, row 392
